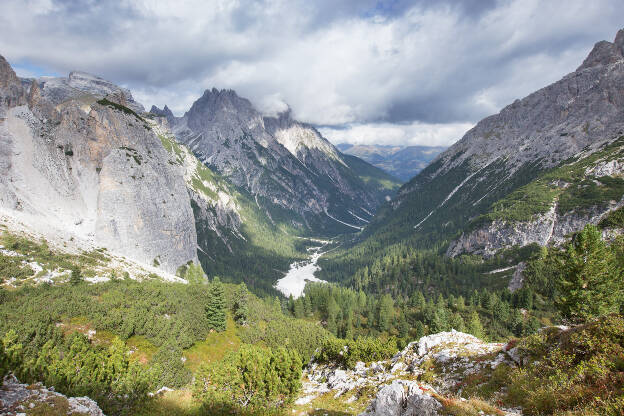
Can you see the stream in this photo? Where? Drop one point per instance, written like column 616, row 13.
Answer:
column 301, row 272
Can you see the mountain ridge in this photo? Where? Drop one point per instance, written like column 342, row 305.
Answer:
column 403, row 162
column 282, row 162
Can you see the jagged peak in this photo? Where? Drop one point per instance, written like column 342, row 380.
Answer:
column 619, row 40
column 605, row 53
column 7, row 74
column 165, row 112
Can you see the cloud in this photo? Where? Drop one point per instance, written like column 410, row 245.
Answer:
column 348, row 64
column 407, row 134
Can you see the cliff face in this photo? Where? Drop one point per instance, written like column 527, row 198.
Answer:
column 76, row 165
column 281, row 162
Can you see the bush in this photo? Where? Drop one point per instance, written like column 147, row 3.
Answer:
column 347, row 353
column 581, row 370
column 169, row 368
column 253, row 378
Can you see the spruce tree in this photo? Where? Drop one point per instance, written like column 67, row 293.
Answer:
column 215, row 308
column 474, row 325
column 385, row 313
column 241, row 304
column 75, row 277
column 591, row 283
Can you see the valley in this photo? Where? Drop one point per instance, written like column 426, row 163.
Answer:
column 300, row 273
column 231, row 260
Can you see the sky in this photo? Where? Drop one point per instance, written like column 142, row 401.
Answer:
column 418, row 72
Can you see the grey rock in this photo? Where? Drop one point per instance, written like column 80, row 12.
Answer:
column 13, row 396
column 81, row 85
column 403, row 398
column 280, row 161
column 94, row 172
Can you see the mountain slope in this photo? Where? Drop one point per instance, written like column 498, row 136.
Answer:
column 572, row 118
column 287, row 166
column 236, row 238
column 403, row 162
column 82, row 165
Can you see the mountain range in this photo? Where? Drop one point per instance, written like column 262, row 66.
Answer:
column 539, row 170
column 402, row 162
column 139, row 253
column 222, row 185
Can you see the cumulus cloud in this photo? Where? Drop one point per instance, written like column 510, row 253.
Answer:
column 421, row 69
column 415, row 133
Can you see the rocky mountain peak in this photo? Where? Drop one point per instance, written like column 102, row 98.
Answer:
column 165, row 112
column 219, row 106
column 7, row 75
column 77, row 83
column 605, row 53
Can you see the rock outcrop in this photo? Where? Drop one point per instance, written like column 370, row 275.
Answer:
column 81, row 85
column 22, row 399
column 419, row 380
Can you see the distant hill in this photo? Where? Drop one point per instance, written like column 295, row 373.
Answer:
column 402, row 162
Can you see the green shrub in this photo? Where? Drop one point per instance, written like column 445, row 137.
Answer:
column 578, row 370
column 347, row 353
column 253, row 378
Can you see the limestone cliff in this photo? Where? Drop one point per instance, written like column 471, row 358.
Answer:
column 73, row 162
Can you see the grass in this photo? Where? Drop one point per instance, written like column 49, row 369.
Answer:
column 142, row 349
column 568, row 186
column 214, row 347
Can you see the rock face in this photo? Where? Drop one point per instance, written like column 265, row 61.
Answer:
column 97, row 171
column 83, row 85
column 22, row 399
column 281, row 162
column 576, row 114
column 543, row 229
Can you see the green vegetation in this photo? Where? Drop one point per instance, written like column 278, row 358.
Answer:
column 126, row 338
column 253, row 378
column 573, row 372
column 347, row 353
column 590, row 283
column 22, row 252
column 121, row 108
column 568, row 185
column 215, row 308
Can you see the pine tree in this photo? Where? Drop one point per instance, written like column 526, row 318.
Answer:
column 385, row 312
column 195, row 274
column 474, row 325
column 419, row 330
column 403, row 326
column 591, row 283
column 456, row 322
column 298, row 309
column 75, row 277
column 215, row 309
column 241, row 304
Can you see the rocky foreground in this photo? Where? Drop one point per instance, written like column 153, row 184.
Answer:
column 18, row 399
column 420, row 380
